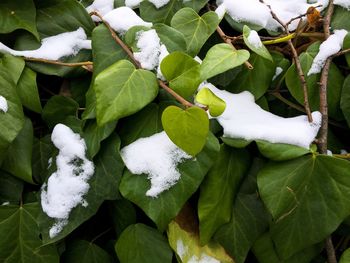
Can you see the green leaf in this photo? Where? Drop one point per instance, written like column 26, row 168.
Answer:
column 221, row 58
column 307, row 186
column 43, row 149
column 11, row 188
column 188, row 128
column 280, row 151
column 335, row 83
column 215, row 104
column 142, row 244
column 122, row 90
column 345, row 100
column 18, row 160
column 20, row 240
column 261, row 51
column 104, row 185
column 340, row 18
column 28, row 90
column 84, row 251
column 346, row 45
column 182, row 73
column 265, row 252
column 236, row 143
column 196, row 29
column 13, row 65
column 345, row 257
column 122, row 213
column 168, row 204
column 184, row 240
column 17, row 14
column 256, row 80
column 196, row 5
column 94, row 135
column 149, row 12
column 13, row 120
column 219, row 189
column 58, row 108
column 248, row 221
column 171, row 38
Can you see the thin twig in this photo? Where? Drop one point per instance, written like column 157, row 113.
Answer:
column 59, row 63
column 299, row 16
column 342, row 52
column 331, row 258
column 127, row 50
column 228, row 41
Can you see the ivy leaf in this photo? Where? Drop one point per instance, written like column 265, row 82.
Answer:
column 248, row 221
column 221, row 58
column 345, row 257
column 256, row 80
column 13, row 120
column 84, row 251
column 188, row 128
column 309, row 185
column 142, row 244
column 168, row 204
column 17, row 14
column 261, row 51
column 122, row 90
column 215, row 104
column 11, row 188
column 149, row 12
column 346, row 45
column 345, row 100
column 182, row 72
column 340, row 18
column 103, row 186
column 335, row 83
column 122, row 213
column 219, row 189
column 13, row 65
column 20, row 240
column 196, row 5
column 43, row 149
column 18, row 160
column 171, row 38
column 58, row 108
column 196, row 29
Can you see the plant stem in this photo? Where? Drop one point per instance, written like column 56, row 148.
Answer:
column 331, row 258
column 59, row 63
column 228, row 41
column 127, row 50
column 291, row 36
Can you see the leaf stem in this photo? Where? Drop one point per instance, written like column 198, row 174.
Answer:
column 127, row 50
column 59, row 63
column 291, row 36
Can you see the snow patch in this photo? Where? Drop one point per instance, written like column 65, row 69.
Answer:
column 55, row 47
column 254, row 39
column 123, row 18
column 100, row 6
column 329, row 47
column 203, row 259
column 5, row 203
column 133, row 3
column 149, row 44
column 3, row 104
column 181, row 249
column 278, row 72
column 163, row 53
column 244, row 119
column 343, row 3
column 66, row 187
column 158, row 157
column 159, row 3
column 221, row 11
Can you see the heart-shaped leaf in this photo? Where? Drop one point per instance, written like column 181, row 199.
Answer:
column 122, row 90
column 188, row 128
column 221, row 58
column 215, row 104
column 252, row 40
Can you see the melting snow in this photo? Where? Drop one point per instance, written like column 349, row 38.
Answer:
column 66, row 187
column 203, row 259
column 244, row 119
column 3, row 104
column 329, row 47
column 133, row 3
column 254, row 39
column 257, row 13
column 123, row 18
column 278, row 72
column 55, row 47
column 148, row 43
column 343, row 3
column 158, row 157
column 100, row 6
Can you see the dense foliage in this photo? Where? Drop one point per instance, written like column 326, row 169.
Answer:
column 236, row 201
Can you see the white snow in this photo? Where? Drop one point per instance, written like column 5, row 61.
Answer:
column 159, row 3
column 343, row 151
column 329, row 47
column 123, row 18
column 221, row 11
column 278, row 72
column 3, row 104
column 343, row 3
column 55, row 47
column 148, row 44
column 66, row 187
column 257, row 13
column 6, row 203
column 133, row 3
column 329, row 153
column 158, row 157
column 254, row 39
column 203, row 259
column 100, row 6
column 181, row 249
column 244, row 119
column 163, row 53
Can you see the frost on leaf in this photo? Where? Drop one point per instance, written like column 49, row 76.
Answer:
column 3, row 104
column 158, row 157
column 66, row 187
